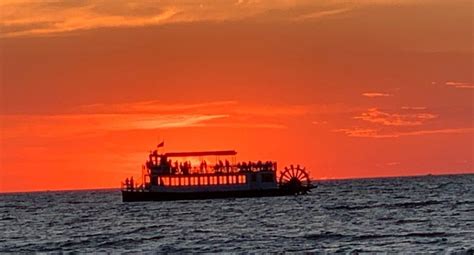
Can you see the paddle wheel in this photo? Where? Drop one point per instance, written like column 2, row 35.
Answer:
column 296, row 179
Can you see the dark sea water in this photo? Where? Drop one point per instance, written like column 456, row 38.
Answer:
column 415, row 214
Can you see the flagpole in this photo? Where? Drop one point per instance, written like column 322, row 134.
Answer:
column 162, row 144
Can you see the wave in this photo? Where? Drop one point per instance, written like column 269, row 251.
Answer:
column 325, row 235
column 332, row 236
column 383, row 205
column 128, row 241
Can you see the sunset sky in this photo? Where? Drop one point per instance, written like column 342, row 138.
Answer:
column 359, row 88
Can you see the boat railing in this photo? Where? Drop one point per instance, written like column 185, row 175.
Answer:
column 186, row 168
column 127, row 186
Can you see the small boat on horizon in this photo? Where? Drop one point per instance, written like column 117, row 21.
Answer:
column 173, row 176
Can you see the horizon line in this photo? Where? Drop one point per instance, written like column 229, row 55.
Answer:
column 312, row 180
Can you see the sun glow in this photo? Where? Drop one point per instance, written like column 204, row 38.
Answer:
column 90, row 87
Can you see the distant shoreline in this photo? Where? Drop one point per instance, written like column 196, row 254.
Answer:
column 315, row 180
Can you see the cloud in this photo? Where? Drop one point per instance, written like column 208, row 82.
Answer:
column 460, row 85
column 250, row 125
column 75, row 124
column 320, row 14
column 376, row 94
column 153, row 106
column 319, row 122
column 416, row 108
column 40, row 18
column 374, row 115
column 362, row 132
column 228, row 107
column 148, row 115
column 411, row 122
column 377, row 133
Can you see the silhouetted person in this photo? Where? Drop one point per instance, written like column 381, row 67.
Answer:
column 155, row 155
column 176, row 166
column 221, row 165
column 227, row 165
column 127, row 184
column 190, row 167
column 131, row 183
column 244, row 167
column 150, row 157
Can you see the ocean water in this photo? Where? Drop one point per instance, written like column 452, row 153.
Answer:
column 427, row 214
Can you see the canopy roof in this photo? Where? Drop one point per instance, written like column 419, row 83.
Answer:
column 200, row 153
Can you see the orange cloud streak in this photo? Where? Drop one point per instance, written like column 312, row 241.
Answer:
column 377, row 133
column 374, row 115
column 376, row 94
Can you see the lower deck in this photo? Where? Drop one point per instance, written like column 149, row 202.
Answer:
column 135, row 196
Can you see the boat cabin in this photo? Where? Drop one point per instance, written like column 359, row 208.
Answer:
column 208, row 170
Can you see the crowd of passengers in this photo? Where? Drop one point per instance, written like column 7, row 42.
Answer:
column 129, row 184
column 220, row 167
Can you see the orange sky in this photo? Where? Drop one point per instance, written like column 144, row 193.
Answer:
column 347, row 88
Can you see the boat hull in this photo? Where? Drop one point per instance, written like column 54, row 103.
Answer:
column 136, row 196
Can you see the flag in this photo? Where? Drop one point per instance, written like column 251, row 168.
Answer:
column 161, row 144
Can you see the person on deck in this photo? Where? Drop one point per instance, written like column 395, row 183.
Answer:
column 201, row 167
column 227, row 166
column 244, row 167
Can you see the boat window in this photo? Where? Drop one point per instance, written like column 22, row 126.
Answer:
column 213, row 180
column 185, row 181
column 222, row 180
column 267, row 178
column 254, row 178
column 204, row 180
column 242, row 179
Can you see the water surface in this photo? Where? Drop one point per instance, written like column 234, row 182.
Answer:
column 417, row 214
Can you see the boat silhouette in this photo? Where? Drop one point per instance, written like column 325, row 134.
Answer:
column 166, row 178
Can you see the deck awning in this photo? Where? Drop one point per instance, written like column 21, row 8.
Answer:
column 200, row 154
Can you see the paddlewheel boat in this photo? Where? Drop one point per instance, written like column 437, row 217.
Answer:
column 187, row 175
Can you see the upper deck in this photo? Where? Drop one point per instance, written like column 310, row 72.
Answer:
column 204, row 169
column 198, row 163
